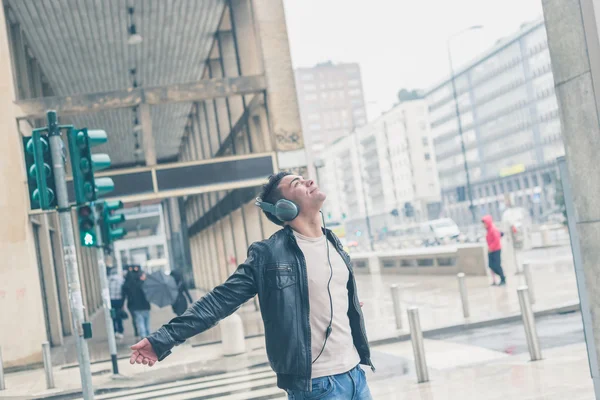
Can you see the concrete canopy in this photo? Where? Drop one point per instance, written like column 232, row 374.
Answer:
column 82, row 47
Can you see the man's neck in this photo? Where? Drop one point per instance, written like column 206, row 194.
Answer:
column 309, row 227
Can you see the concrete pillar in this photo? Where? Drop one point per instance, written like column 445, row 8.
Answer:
column 282, row 103
column 195, row 264
column 573, row 39
column 252, row 222
column 210, row 266
column 228, row 245
column 241, row 246
column 19, row 279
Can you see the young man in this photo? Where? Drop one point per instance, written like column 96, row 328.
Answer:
column 314, row 328
column 493, row 238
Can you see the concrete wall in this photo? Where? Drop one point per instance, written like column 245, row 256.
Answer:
column 22, row 326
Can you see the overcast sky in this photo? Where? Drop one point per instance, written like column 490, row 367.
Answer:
column 399, row 43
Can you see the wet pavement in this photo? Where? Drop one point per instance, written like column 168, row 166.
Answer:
column 436, row 296
column 553, row 331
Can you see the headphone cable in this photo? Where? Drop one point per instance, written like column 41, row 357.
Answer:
column 329, row 328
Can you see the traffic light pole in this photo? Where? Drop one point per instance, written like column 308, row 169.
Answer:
column 70, row 255
column 110, row 331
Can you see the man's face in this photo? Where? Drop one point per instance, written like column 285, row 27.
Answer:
column 304, row 192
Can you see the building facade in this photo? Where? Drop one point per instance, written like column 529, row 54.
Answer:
column 231, row 100
column 382, row 167
column 331, row 101
column 511, row 129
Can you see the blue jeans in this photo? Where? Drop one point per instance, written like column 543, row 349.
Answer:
column 351, row 385
column 142, row 322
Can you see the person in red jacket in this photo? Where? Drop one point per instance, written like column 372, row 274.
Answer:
column 494, row 249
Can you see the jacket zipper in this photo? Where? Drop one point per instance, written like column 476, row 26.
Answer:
column 305, row 276
column 280, row 269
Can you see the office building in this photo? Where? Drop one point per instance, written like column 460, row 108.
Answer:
column 511, row 129
column 383, row 166
column 331, row 101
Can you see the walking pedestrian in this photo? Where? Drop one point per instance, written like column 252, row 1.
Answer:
column 137, row 302
column 314, row 327
column 493, row 238
column 115, row 289
column 183, row 295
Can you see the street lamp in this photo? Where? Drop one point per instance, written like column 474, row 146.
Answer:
column 134, row 37
column 460, row 132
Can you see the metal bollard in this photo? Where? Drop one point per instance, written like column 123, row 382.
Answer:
column 232, row 335
column 48, row 365
column 397, row 308
column 529, row 282
column 529, row 322
column 462, row 288
column 2, row 385
column 416, row 337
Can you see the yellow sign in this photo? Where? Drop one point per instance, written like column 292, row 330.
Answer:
column 512, row 170
column 340, row 230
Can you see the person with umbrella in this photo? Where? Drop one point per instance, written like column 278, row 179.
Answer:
column 160, row 289
column 137, row 303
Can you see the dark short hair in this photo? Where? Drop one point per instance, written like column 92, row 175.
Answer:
column 272, row 194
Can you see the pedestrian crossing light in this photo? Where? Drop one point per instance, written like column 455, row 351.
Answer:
column 84, row 164
column 40, row 179
column 110, row 231
column 87, row 226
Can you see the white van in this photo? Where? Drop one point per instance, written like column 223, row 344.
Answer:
column 441, row 230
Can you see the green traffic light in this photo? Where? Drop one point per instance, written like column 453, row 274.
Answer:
column 33, row 171
column 89, row 239
column 49, row 195
column 84, row 165
column 110, row 232
column 39, row 173
column 30, row 145
column 87, row 228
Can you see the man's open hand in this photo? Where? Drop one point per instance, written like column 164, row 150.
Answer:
column 143, row 353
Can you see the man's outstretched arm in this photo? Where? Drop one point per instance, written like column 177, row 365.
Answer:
column 205, row 313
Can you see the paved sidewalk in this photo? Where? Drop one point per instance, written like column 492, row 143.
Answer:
column 438, row 299
column 488, row 375
column 186, row 361
column 98, row 345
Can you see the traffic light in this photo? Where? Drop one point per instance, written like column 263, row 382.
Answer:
column 84, row 164
column 110, row 232
column 40, row 179
column 87, row 226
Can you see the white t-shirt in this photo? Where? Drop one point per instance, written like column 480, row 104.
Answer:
column 339, row 355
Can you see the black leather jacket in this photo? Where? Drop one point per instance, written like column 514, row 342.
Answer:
column 276, row 271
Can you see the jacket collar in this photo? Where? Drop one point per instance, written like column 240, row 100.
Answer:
column 290, row 232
